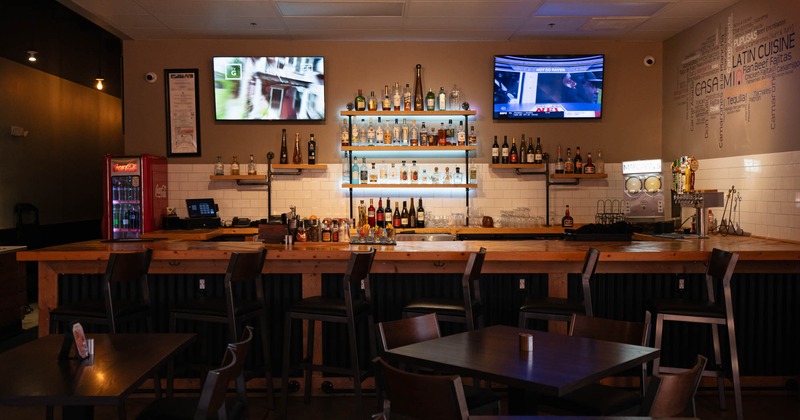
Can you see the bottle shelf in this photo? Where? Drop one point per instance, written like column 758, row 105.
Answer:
column 517, row 166
column 237, row 177
column 455, row 112
column 386, row 186
column 578, row 176
column 387, row 148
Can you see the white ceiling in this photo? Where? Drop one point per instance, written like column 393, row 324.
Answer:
column 397, row 20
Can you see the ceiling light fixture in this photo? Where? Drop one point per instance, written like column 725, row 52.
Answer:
column 32, row 55
column 99, row 77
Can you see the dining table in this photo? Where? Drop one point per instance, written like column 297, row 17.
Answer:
column 33, row 373
column 557, row 365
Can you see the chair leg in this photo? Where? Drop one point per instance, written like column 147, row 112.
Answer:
column 657, row 342
column 351, row 332
column 309, row 358
column 718, row 362
column 522, row 322
column 737, row 386
column 173, row 326
column 267, row 361
column 287, row 337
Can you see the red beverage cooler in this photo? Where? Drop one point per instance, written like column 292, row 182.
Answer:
column 135, row 195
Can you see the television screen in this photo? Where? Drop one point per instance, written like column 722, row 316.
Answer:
column 537, row 86
column 269, row 88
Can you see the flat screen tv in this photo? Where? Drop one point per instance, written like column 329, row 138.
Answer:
column 547, row 87
column 269, row 88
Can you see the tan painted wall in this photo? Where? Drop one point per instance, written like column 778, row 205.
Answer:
column 58, row 167
column 630, row 127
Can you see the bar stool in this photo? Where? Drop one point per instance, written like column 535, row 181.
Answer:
column 231, row 310
column 466, row 310
column 720, row 314
column 123, row 269
column 562, row 309
column 346, row 310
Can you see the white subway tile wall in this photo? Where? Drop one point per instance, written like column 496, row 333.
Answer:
column 768, row 184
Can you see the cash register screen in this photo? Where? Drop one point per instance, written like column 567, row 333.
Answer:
column 201, row 207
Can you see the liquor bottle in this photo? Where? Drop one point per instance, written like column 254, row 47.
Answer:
column 383, row 175
column 420, row 215
column 403, row 172
column 412, row 215
column 567, row 221
column 371, row 213
column 513, row 154
column 504, row 150
column 251, row 166
column 396, row 220
column 473, row 136
column 407, row 98
column 379, row 131
column 578, row 161
column 495, row 151
column 455, row 94
column 284, row 159
column 355, row 133
column 451, row 133
column 430, row 101
column 419, row 102
column 387, row 212
column 600, row 166
column 234, row 166
column 441, row 99
column 345, row 168
column 423, row 135
column 355, row 172
column 423, row 177
column 393, row 174
column 530, row 153
column 442, row 135
column 386, row 104
column 373, row 174
column 312, row 150
column 458, row 177
column 380, row 220
column 404, row 133
column 523, row 150
column 361, row 102
column 372, row 102
column 569, row 165
column 559, row 162
column 413, row 136
column 537, row 152
column 362, row 215
column 461, row 135
column 473, row 172
column 414, row 174
column 298, row 156
column 219, row 168
column 397, row 98
column 589, row 168
column 387, row 133
column 396, row 132
column 404, row 216
column 363, row 171
column 370, row 133
column 435, row 177
column 448, row 178
column 345, row 133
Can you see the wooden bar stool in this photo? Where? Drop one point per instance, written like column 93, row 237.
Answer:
column 232, row 310
column 561, row 309
column 467, row 310
column 347, row 310
column 716, row 314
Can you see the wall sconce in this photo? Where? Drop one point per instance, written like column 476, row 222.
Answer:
column 32, row 55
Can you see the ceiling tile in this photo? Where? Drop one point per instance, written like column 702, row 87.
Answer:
column 599, row 8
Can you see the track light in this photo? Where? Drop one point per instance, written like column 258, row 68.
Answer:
column 32, row 56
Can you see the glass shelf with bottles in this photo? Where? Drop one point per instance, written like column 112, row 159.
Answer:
column 455, row 112
column 391, row 175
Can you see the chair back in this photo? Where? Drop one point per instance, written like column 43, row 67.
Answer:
column 405, row 331
column 673, row 395
column 720, row 267
column 470, row 285
column 212, row 396
column 358, row 269
column 243, row 267
column 589, row 267
column 421, row 397
column 126, row 267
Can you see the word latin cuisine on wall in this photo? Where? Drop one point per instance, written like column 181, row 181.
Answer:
column 736, row 72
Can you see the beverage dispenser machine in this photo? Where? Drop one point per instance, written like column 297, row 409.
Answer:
column 135, row 196
column 643, row 190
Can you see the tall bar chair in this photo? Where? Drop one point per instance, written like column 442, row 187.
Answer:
column 348, row 310
column 716, row 314
column 231, row 310
column 467, row 310
column 562, row 309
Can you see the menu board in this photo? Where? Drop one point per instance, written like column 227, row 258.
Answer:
column 183, row 128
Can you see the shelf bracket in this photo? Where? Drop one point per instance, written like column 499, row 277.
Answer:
column 297, row 172
column 530, row 173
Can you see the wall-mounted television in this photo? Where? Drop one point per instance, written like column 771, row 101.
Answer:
column 269, row 88
column 547, row 86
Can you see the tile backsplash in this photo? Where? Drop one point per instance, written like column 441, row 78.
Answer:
column 769, row 186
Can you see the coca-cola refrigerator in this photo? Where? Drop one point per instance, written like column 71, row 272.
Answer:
column 134, row 197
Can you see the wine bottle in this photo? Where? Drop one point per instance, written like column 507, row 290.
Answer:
column 420, row 215
column 523, row 150
column 412, row 215
column 371, row 214
column 312, row 151
column 404, row 216
column 284, row 159
column 504, row 151
column 559, row 162
column 578, row 162
column 513, row 154
column 380, row 220
column 537, row 152
column 396, row 220
column 495, row 151
column 387, row 212
column 531, row 154
column 418, row 92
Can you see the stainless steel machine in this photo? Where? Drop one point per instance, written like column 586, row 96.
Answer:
column 701, row 201
column 643, row 190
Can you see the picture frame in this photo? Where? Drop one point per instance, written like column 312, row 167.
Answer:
column 183, row 112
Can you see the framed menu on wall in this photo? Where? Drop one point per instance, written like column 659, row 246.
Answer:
column 183, row 112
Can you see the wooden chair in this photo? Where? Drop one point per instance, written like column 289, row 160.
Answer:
column 231, row 310
column 598, row 399
column 407, row 331
column 716, row 314
column 123, row 269
column 467, row 310
column 421, row 397
column 212, row 400
column 562, row 309
column 347, row 310
column 673, row 395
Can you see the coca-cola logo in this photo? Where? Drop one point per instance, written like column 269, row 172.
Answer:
column 125, row 167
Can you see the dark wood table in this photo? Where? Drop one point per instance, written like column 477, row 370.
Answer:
column 32, row 374
column 558, row 365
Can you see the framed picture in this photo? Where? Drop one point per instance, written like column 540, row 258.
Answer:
column 183, row 112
